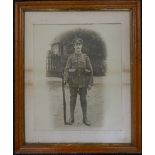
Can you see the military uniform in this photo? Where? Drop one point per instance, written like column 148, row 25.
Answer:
column 79, row 74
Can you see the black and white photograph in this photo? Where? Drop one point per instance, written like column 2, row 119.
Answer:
column 77, row 77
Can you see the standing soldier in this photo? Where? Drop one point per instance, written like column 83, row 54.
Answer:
column 79, row 74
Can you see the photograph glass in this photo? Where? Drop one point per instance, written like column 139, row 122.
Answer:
column 77, row 77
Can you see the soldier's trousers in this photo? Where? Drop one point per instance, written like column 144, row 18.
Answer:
column 73, row 96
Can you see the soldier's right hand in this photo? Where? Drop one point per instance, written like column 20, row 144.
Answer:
column 72, row 70
column 65, row 82
column 89, row 87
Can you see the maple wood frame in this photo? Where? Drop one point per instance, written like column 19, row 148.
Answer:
column 134, row 6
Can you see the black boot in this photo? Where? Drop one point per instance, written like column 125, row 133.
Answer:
column 84, row 109
column 86, row 122
column 71, row 121
column 72, row 109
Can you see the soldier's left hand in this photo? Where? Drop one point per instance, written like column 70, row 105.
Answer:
column 87, row 70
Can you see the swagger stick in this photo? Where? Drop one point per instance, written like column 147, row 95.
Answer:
column 64, row 99
column 63, row 86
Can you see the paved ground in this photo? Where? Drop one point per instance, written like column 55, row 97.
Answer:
column 95, row 107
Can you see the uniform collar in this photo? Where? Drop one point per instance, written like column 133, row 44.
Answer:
column 78, row 54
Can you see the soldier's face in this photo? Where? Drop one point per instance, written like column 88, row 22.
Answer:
column 78, row 46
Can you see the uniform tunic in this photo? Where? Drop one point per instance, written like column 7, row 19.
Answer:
column 78, row 71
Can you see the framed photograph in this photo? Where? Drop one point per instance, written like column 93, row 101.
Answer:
column 77, row 76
